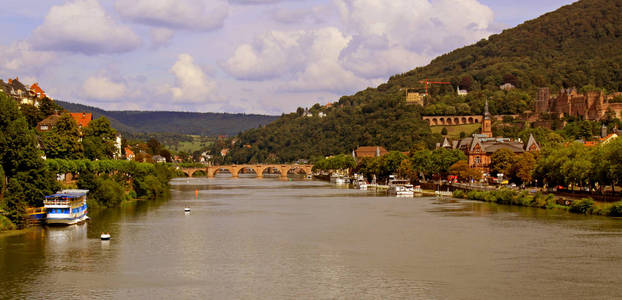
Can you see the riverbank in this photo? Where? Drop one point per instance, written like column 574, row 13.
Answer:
column 584, row 206
column 6, row 224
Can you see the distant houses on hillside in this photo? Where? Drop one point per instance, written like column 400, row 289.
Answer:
column 23, row 94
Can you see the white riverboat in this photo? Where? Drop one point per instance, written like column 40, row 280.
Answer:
column 400, row 188
column 360, row 184
column 337, row 179
column 66, row 207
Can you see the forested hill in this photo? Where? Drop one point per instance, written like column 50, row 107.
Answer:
column 574, row 46
column 206, row 124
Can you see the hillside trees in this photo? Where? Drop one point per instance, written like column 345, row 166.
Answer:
column 99, row 139
column 63, row 140
column 28, row 178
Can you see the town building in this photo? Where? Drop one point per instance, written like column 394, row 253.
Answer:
column 48, row 123
column 82, row 119
column 369, row 151
column 414, row 97
column 158, row 159
column 480, row 147
column 592, row 105
column 129, row 154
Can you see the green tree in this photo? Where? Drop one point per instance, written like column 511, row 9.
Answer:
column 524, row 167
column 502, row 161
column 29, row 179
column 464, row 172
column 99, row 139
column 63, row 141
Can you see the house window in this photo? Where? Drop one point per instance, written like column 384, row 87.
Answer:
column 44, row 127
column 478, row 160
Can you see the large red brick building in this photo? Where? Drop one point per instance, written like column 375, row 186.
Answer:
column 480, row 147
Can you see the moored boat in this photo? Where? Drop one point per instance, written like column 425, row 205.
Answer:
column 105, row 236
column 400, row 188
column 66, row 207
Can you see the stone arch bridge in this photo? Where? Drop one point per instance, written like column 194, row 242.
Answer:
column 259, row 169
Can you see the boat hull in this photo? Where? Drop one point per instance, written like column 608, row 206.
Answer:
column 65, row 220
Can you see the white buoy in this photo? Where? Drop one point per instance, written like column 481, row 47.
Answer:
column 105, row 236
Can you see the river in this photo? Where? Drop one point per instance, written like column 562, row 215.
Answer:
column 273, row 239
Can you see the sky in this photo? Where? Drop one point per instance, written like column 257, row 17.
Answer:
column 237, row 56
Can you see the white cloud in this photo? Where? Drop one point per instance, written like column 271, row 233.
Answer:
column 303, row 60
column 191, row 83
column 199, row 15
column 377, row 39
column 100, row 87
column 19, row 57
column 394, row 36
column 161, row 36
column 254, row 1
column 83, row 26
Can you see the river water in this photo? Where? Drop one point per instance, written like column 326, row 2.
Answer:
column 273, row 239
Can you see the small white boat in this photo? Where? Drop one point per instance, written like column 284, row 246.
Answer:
column 187, row 209
column 400, row 188
column 105, row 236
column 360, row 184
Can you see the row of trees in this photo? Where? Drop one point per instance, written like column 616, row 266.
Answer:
column 579, row 166
column 422, row 164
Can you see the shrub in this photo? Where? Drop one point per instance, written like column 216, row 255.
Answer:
column 6, row 224
column 583, row 206
column 615, row 210
column 108, row 192
column 459, row 194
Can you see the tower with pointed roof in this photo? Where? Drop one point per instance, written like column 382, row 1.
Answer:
column 487, row 122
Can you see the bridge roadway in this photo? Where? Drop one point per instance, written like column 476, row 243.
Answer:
column 259, row 169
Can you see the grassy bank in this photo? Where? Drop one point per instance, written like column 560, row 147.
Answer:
column 539, row 200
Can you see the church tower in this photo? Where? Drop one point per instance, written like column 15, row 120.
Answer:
column 487, row 122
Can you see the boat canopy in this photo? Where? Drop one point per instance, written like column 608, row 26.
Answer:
column 68, row 194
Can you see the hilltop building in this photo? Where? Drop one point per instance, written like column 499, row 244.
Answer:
column 413, row 97
column 480, row 147
column 21, row 93
column 590, row 105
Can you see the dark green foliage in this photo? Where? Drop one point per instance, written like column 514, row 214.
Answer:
column 583, row 206
column 107, row 192
column 616, row 210
column 99, row 139
column 444, row 131
column 28, row 178
column 63, row 141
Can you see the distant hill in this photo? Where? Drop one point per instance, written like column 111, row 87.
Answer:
column 576, row 45
column 205, row 124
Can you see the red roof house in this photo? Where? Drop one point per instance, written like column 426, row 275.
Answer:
column 82, row 119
